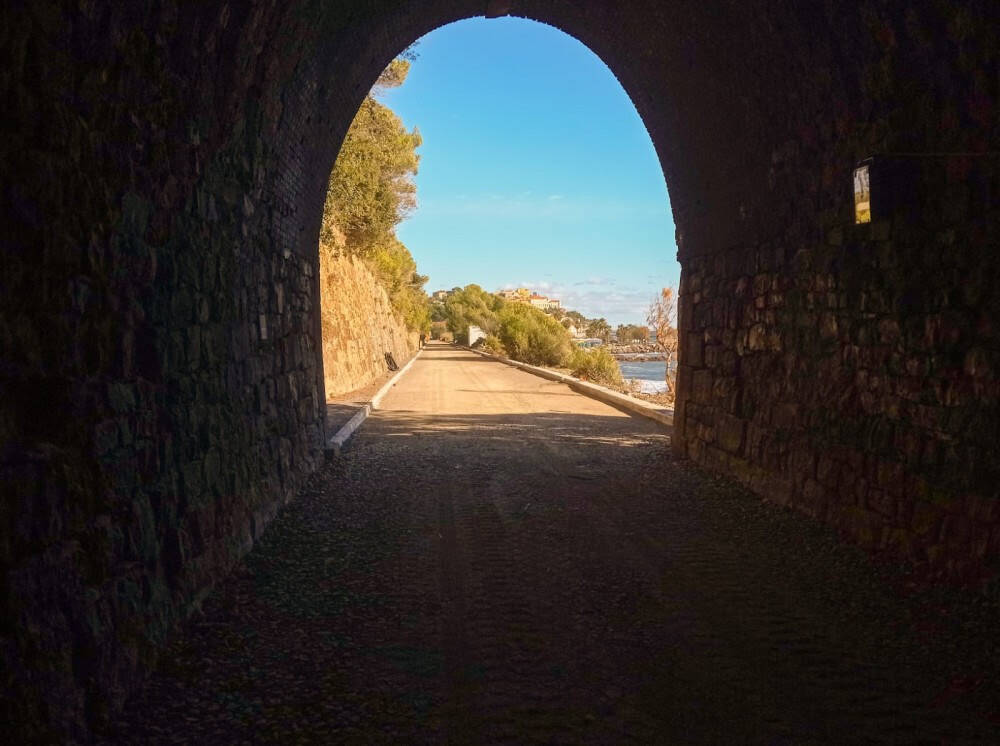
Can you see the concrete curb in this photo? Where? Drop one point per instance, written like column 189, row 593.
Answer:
column 594, row 391
column 336, row 443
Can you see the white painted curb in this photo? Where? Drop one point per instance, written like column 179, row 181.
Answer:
column 601, row 393
column 336, row 443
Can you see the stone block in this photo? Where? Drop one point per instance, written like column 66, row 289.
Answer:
column 716, row 459
column 813, row 496
column 955, row 530
column 701, row 386
column 693, row 350
column 757, row 338
column 828, row 327
column 712, row 356
column 927, row 519
column 827, row 472
column 191, row 479
column 900, row 542
column 730, row 432
column 685, row 378
column 729, row 361
column 881, row 502
column 785, row 415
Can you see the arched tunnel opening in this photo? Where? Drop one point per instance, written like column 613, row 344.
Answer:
column 160, row 330
column 497, row 165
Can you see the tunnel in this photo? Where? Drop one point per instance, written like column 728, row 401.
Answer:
column 165, row 171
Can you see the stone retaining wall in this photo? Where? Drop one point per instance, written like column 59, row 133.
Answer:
column 359, row 326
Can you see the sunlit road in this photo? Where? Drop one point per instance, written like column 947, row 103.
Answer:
column 495, row 558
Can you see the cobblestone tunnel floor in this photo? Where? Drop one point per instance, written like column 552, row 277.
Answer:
column 556, row 577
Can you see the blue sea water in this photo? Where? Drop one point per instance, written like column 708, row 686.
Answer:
column 651, row 375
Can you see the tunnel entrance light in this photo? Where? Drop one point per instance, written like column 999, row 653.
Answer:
column 862, row 193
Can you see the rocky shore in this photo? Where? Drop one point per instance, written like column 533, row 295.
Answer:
column 637, row 352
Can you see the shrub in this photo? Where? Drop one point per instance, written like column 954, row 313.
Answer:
column 492, row 345
column 530, row 336
column 597, row 365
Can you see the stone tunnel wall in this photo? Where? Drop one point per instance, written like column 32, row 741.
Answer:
column 853, row 371
column 160, row 375
column 855, row 377
column 160, row 331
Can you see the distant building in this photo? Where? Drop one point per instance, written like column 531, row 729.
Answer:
column 440, row 295
column 519, row 295
column 524, row 295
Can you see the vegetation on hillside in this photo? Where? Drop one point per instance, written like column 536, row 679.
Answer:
column 474, row 306
column 520, row 331
column 523, row 332
column 371, row 191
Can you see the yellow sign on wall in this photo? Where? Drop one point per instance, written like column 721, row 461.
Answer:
column 862, row 194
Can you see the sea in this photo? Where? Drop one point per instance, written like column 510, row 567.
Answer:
column 651, row 375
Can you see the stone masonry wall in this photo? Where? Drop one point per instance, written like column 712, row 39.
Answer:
column 159, row 369
column 359, row 326
column 165, row 166
column 851, row 371
column 856, row 378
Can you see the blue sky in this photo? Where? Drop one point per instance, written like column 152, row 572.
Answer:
column 535, row 171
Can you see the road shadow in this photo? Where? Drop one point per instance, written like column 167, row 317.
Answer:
column 516, row 391
column 468, row 358
column 518, row 432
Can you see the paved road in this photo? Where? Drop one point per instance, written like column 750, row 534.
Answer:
column 496, row 558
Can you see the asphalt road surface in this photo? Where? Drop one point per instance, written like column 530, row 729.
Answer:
column 497, row 559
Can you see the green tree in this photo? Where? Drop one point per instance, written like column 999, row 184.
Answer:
column 599, row 328
column 394, row 265
column 371, row 190
column 632, row 333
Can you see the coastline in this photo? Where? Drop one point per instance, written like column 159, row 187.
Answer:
column 639, row 357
